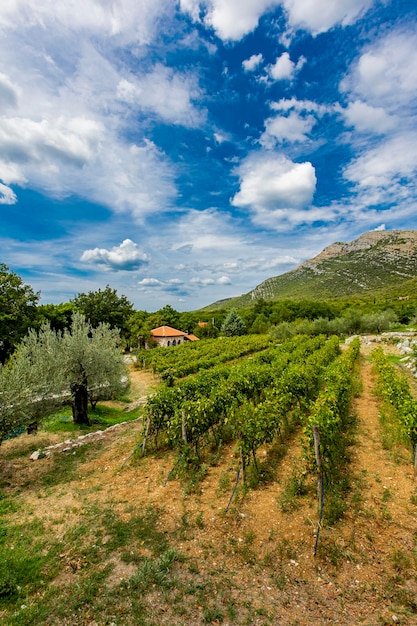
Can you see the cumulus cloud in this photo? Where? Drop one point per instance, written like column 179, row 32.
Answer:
column 192, row 7
column 272, row 184
column 318, row 16
column 232, row 19
column 283, row 68
column 223, row 280
column 366, row 118
column 202, row 282
column 291, row 128
column 126, row 256
column 249, row 65
column 149, row 282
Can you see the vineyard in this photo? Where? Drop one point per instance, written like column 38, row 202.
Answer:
column 305, row 382
column 271, row 484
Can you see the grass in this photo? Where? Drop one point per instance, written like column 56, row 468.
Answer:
column 102, row 417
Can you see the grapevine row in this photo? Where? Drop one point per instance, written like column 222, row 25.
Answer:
column 228, row 395
column 191, row 357
column 258, row 424
column 395, row 390
column 329, row 412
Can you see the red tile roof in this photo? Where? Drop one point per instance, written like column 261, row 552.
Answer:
column 167, row 331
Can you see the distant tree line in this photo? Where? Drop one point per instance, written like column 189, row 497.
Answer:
column 20, row 311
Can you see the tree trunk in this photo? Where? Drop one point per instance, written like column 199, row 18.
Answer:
column 80, row 403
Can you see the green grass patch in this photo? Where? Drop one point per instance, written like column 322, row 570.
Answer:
column 101, row 418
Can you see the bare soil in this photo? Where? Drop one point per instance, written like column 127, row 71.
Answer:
column 255, row 564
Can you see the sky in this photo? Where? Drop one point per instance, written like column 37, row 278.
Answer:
column 182, row 152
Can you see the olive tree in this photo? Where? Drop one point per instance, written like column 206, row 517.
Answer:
column 49, row 369
column 92, row 365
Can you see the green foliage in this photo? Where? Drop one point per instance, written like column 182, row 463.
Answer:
column 59, row 316
column 105, row 306
column 331, row 410
column 395, row 391
column 48, row 369
column 17, row 310
column 192, row 357
column 252, row 400
column 383, row 269
column 233, row 325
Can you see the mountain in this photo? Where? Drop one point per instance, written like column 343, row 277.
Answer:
column 376, row 260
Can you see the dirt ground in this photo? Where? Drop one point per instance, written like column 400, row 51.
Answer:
column 260, row 556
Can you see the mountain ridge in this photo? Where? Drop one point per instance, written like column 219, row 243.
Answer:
column 375, row 260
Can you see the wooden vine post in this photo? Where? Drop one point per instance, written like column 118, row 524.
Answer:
column 415, row 460
column 183, row 427
column 320, row 482
column 148, row 424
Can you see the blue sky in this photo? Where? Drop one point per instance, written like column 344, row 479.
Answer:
column 183, row 152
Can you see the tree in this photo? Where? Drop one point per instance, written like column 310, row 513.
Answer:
column 49, row 369
column 58, row 315
column 17, row 310
column 105, row 306
column 167, row 316
column 31, row 385
column 233, row 325
column 209, row 331
column 93, row 365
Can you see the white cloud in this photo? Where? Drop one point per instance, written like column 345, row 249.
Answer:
column 301, row 106
column 165, row 93
column 126, row 256
column 318, row 16
column 293, row 128
column 8, row 93
column 63, row 127
column 202, row 282
column 126, row 21
column 223, row 280
column 192, row 7
column 386, row 165
column 150, row 282
column 385, row 74
column 283, row 68
column 66, row 140
column 10, row 173
column 249, row 65
column 272, row 185
column 233, row 19
column 7, row 195
column 207, row 232
column 366, row 118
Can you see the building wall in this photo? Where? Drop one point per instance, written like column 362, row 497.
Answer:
column 166, row 342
